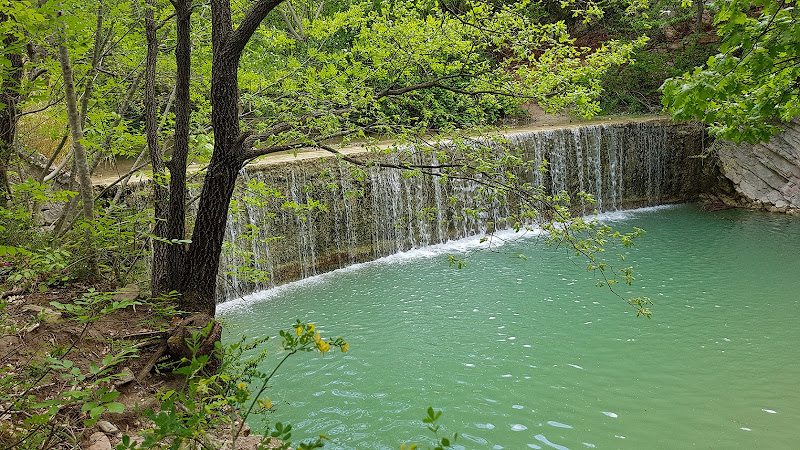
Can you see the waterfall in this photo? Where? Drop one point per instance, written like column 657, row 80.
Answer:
column 344, row 219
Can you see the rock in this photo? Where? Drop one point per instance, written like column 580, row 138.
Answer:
column 248, row 442
column 128, row 293
column 48, row 314
column 30, row 327
column 147, row 403
column 767, row 175
column 254, row 442
column 107, row 427
column 127, row 377
column 136, row 439
column 51, row 213
column 99, row 441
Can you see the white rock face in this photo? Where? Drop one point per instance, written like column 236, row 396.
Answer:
column 766, row 174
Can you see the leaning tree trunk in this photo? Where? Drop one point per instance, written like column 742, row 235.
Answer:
column 81, row 161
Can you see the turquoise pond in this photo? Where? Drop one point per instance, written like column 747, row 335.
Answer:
column 531, row 354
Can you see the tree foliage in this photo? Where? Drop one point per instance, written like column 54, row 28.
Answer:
column 753, row 84
column 269, row 77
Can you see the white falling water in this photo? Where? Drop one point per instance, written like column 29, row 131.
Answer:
column 621, row 166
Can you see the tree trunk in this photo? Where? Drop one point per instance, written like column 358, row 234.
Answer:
column 9, row 97
column 159, row 268
column 198, row 282
column 80, row 158
column 199, row 290
column 698, row 20
column 193, row 272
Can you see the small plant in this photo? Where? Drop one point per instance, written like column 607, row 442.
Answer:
column 37, row 269
column 430, row 420
column 93, row 305
column 164, row 309
column 90, row 390
column 210, row 402
column 82, row 393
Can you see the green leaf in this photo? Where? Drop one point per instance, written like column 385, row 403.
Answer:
column 108, row 396
column 115, row 407
column 88, row 406
column 95, row 412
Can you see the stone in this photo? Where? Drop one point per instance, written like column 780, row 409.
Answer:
column 127, row 377
column 254, row 442
column 107, row 427
column 136, row 439
column 48, row 314
column 248, row 442
column 99, row 441
column 51, row 213
column 128, row 293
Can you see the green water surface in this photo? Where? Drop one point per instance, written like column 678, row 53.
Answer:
column 531, row 354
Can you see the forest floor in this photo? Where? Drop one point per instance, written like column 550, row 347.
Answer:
column 35, row 329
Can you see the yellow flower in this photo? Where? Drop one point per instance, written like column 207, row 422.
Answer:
column 345, row 347
column 311, row 327
column 323, row 346
column 265, row 404
column 241, row 385
column 298, row 330
column 317, row 338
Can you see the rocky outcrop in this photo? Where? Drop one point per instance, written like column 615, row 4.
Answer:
column 765, row 175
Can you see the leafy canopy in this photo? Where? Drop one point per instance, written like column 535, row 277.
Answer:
column 753, row 84
column 391, row 66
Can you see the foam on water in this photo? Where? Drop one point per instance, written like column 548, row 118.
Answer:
column 463, row 246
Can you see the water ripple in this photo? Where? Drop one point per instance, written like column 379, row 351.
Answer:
column 348, row 394
column 558, row 424
column 542, row 439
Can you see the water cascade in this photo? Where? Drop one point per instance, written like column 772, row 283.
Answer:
column 294, row 219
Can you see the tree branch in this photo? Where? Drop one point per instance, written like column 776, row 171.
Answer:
column 250, row 24
column 250, row 139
